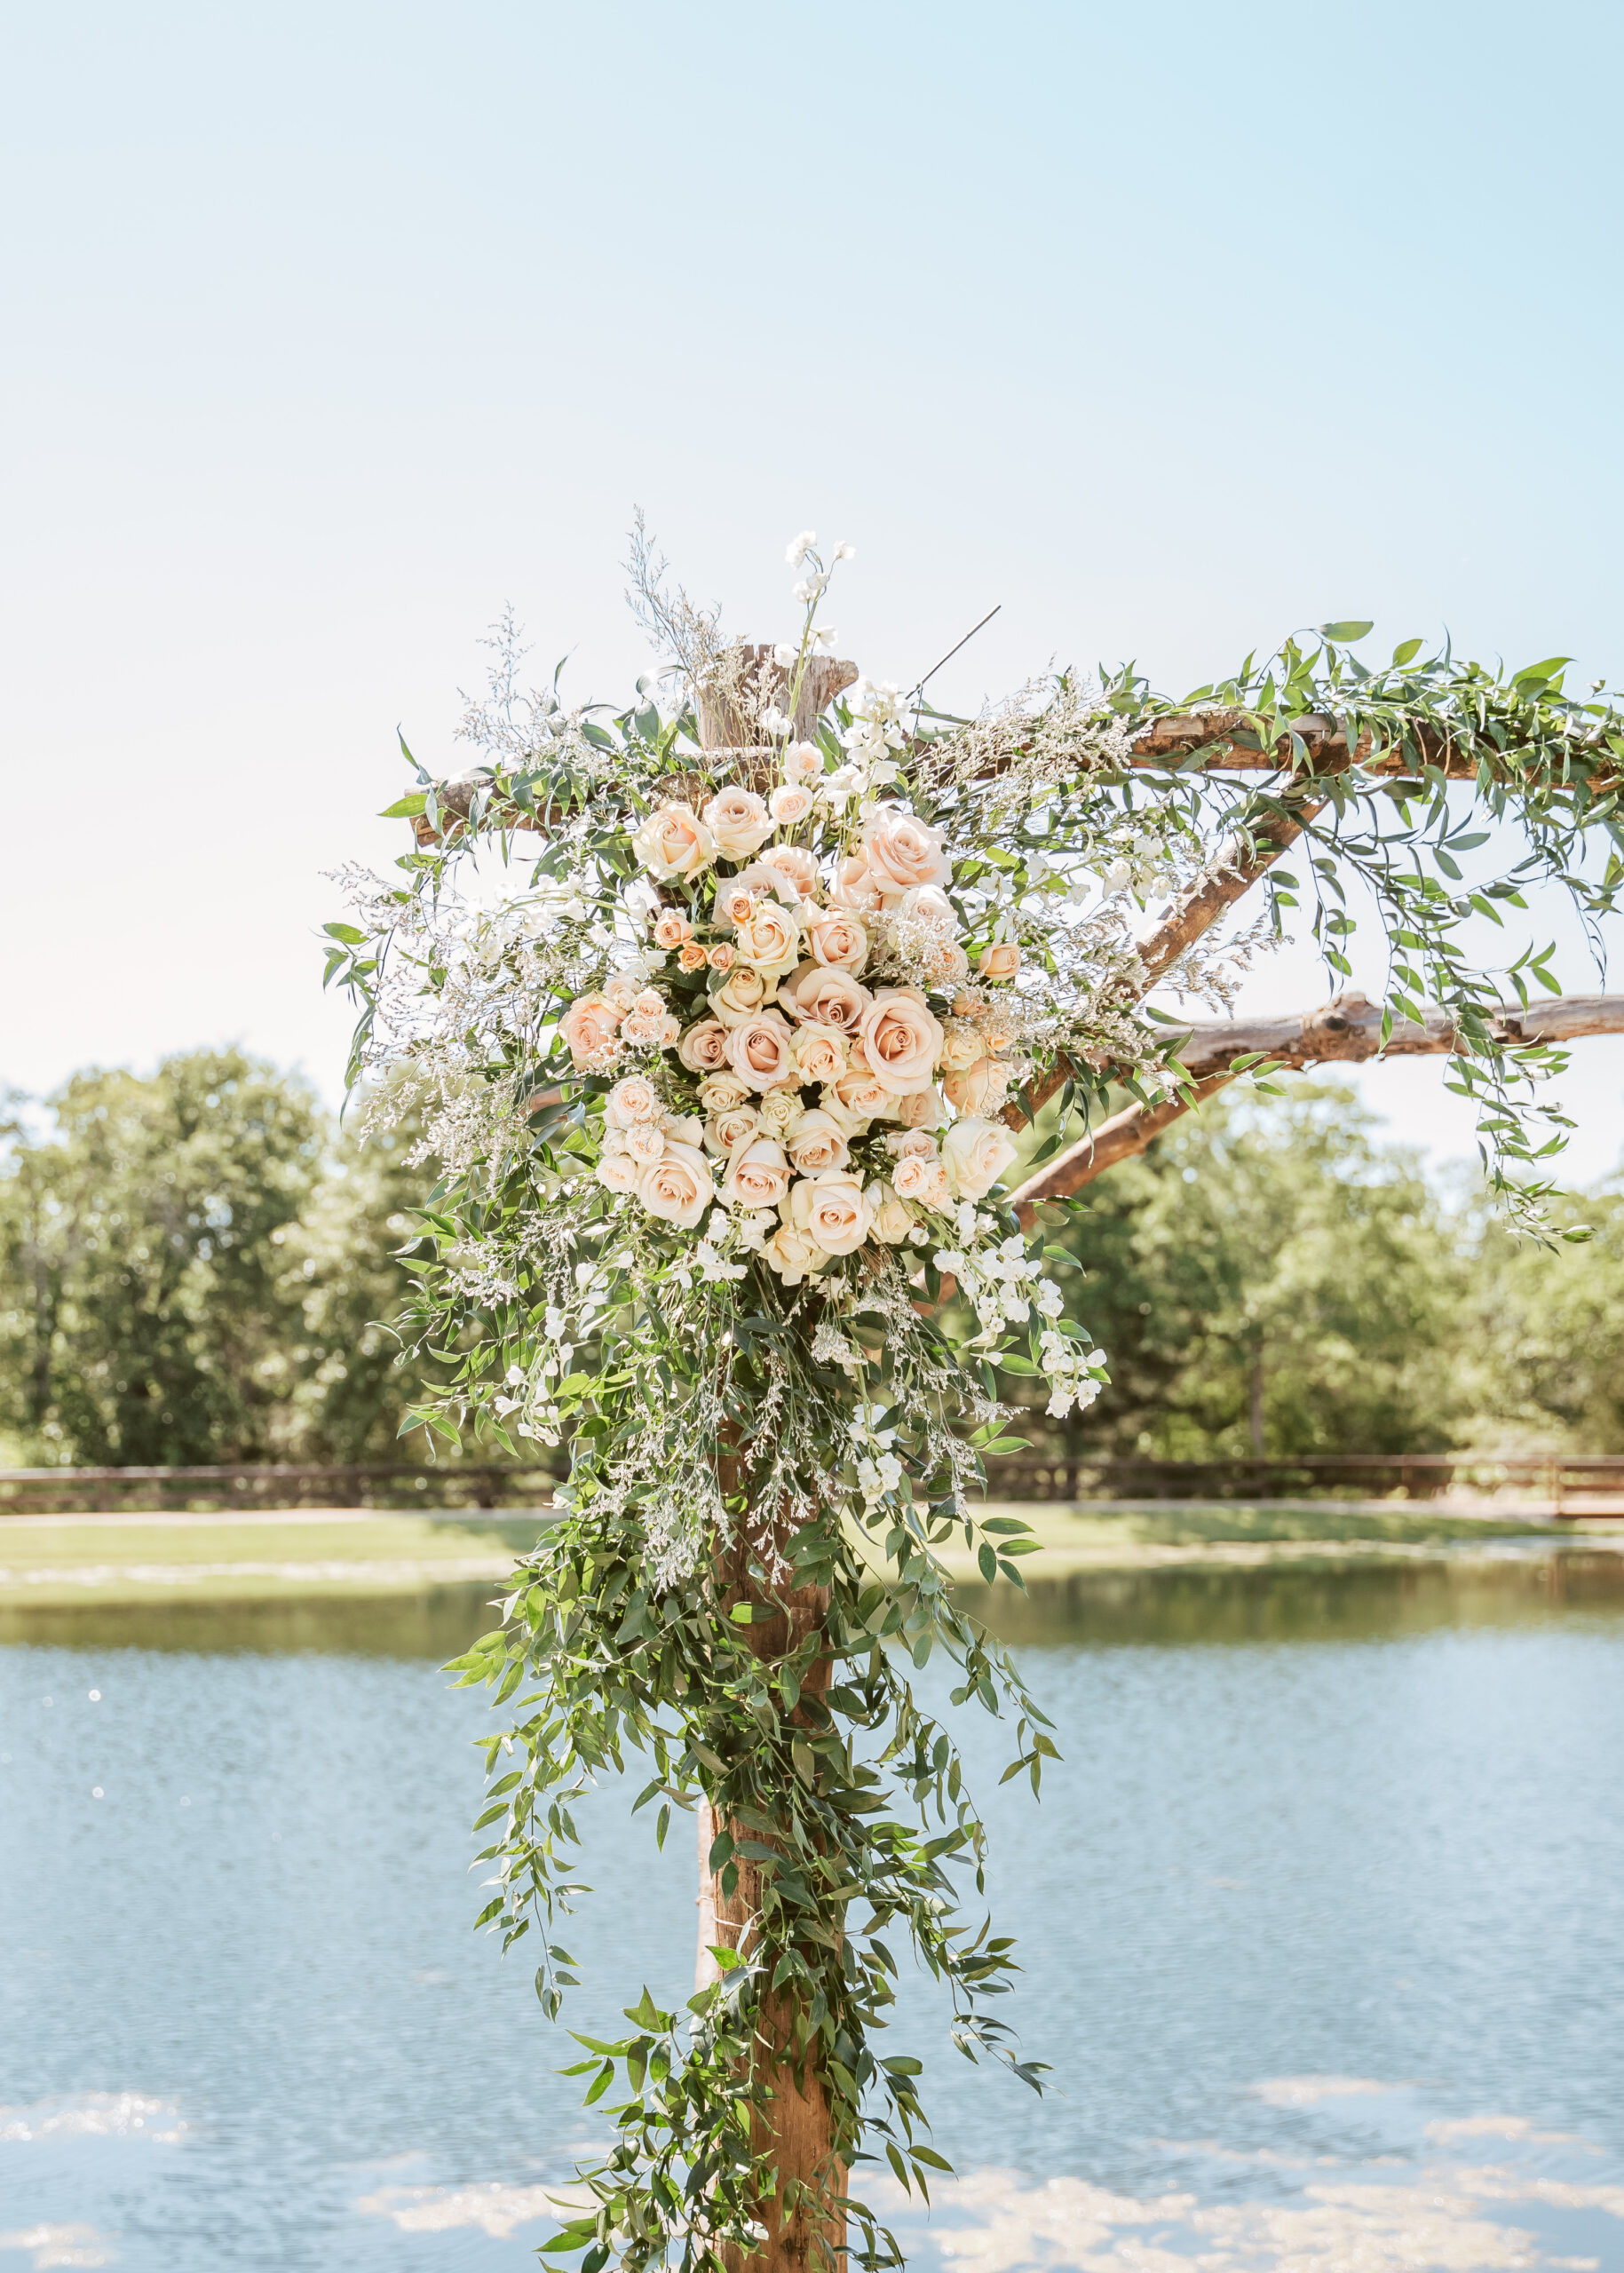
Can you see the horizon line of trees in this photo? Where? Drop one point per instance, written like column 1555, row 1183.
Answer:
column 201, row 1267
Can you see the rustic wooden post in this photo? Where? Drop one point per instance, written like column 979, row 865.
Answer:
column 793, row 2126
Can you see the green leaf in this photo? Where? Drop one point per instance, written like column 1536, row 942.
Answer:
column 1406, row 651
column 1350, row 629
column 406, row 808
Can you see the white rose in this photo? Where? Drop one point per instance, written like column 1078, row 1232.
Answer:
column 893, row 1218
column 619, row 1172
column 794, row 1256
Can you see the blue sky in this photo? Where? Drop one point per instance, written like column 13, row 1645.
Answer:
column 331, row 331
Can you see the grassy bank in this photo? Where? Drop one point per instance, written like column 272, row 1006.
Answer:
column 56, row 1562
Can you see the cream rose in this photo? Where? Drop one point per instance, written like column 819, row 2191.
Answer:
column 759, row 1176
column 902, row 1037
column 677, row 1187
column 794, row 1256
column 848, row 1123
column 789, row 804
column 826, row 997
column 674, row 842
column 838, row 940
column 854, row 887
column 919, row 1109
column 703, row 1047
column 903, row 853
column 818, row 1143
column 972, row 1088
column 739, row 822
column 961, row 1045
column 758, row 1049
column 682, row 1128
column 741, row 994
column 781, row 1111
column 717, row 1092
column 818, row 1053
column 837, row 1212
column 977, row 1153
column 671, row 929
column 803, row 762
column 643, row 1142
column 591, row 1027
column 734, row 1125
column 912, row 1144
column 636, row 1098
column 693, row 956
column 618, row 1172
column 861, row 1091
column 1001, row 961
column 893, row 1218
column 769, row 938
column 795, row 868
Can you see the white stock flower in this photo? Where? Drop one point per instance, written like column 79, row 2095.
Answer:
column 798, row 547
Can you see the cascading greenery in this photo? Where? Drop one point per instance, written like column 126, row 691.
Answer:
column 746, row 1627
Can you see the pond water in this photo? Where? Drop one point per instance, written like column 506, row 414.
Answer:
column 1321, row 1918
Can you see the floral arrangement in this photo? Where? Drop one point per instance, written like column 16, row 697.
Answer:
column 723, row 1082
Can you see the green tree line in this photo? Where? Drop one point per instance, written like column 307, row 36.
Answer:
column 201, row 1267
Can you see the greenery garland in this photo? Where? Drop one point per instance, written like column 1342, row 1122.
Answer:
column 716, row 1082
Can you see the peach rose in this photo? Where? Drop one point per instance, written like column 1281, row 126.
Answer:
column 794, row 1256
column 769, row 938
column 739, row 822
column 722, row 957
column 861, row 1091
column 961, row 1045
column 838, row 940
column 818, row 1053
column 977, row 1153
column 1001, row 961
column 848, row 1123
column 803, row 762
column 677, row 1187
column 790, row 805
column 693, row 956
column 734, row 1125
column 923, row 1180
column 735, row 901
column 741, row 995
column 903, row 852
column 781, row 1111
column 758, row 1049
column 703, row 1047
column 972, row 1088
column 719, row 1091
column 919, row 1109
column 636, row 1098
column 929, row 905
column 795, row 868
column 818, row 1143
column 671, row 928
column 674, row 842
column 854, row 887
column 903, row 1039
column 836, row 1212
column 591, row 1027
column 826, row 997
column 893, row 1218
column 618, row 1172
column 759, row 1176
column 911, row 1145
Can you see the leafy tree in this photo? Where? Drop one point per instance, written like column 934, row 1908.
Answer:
column 1270, row 1278
column 190, row 1268
column 1539, row 1346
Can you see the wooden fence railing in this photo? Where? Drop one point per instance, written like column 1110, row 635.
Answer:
column 111, row 1491
column 1570, row 1485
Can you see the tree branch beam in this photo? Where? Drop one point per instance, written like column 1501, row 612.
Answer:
column 1345, row 1031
